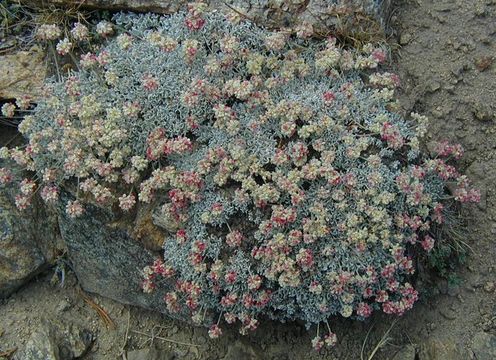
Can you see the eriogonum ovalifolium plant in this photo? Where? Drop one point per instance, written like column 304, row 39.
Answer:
column 288, row 187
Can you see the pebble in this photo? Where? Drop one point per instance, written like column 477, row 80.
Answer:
column 447, row 313
column 433, row 86
column 63, row 305
column 405, row 38
column 489, row 287
column 482, row 111
column 201, row 340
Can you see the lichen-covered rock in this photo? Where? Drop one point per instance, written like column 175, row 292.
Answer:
column 107, row 260
column 341, row 15
column 435, row 349
column 28, row 243
column 484, row 346
column 54, row 340
column 22, row 73
column 41, row 346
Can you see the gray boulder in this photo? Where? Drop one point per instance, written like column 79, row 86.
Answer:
column 324, row 15
column 106, row 258
column 28, row 242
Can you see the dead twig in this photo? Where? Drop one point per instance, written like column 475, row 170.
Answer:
column 240, row 13
column 164, row 339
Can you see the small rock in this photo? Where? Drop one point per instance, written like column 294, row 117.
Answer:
column 443, row 286
column 201, row 340
column 57, row 341
column 479, row 10
column 482, row 111
column 450, row 88
column 489, row 287
column 453, row 290
column 484, row 346
column 63, row 306
column 433, row 86
column 408, row 352
column 239, row 350
column 484, row 63
column 405, row 38
column 74, row 342
column 447, row 313
column 437, row 113
column 41, row 346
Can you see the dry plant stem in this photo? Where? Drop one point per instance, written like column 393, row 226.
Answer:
column 240, row 13
column 127, row 332
column 109, row 323
column 52, row 49
column 164, row 339
column 384, row 339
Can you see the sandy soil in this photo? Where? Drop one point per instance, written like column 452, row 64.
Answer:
column 443, row 51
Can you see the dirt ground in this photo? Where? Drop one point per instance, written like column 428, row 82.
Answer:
column 443, row 55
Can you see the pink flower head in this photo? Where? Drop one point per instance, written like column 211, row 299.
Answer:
column 22, row 202
column 305, row 259
column 194, row 23
column 181, row 236
column 126, row 202
column 254, row 282
column 330, row 339
column 50, row 193
column 364, row 310
column 427, row 243
column 88, row 60
column 230, row 277
column 171, row 301
column 317, row 343
column 379, row 55
column 230, row 318
column 74, row 208
column 8, row 110
column 215, row 331
column 217, row 209
column 5, row 176
column 149, row 82
column 329, row 97
column 234, row 238
column 27, row 187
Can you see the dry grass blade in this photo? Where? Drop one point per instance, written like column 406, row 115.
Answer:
column 123, row 348
column 382, row 342
column 8, row 353
column 109, row 323
column 164, row 339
